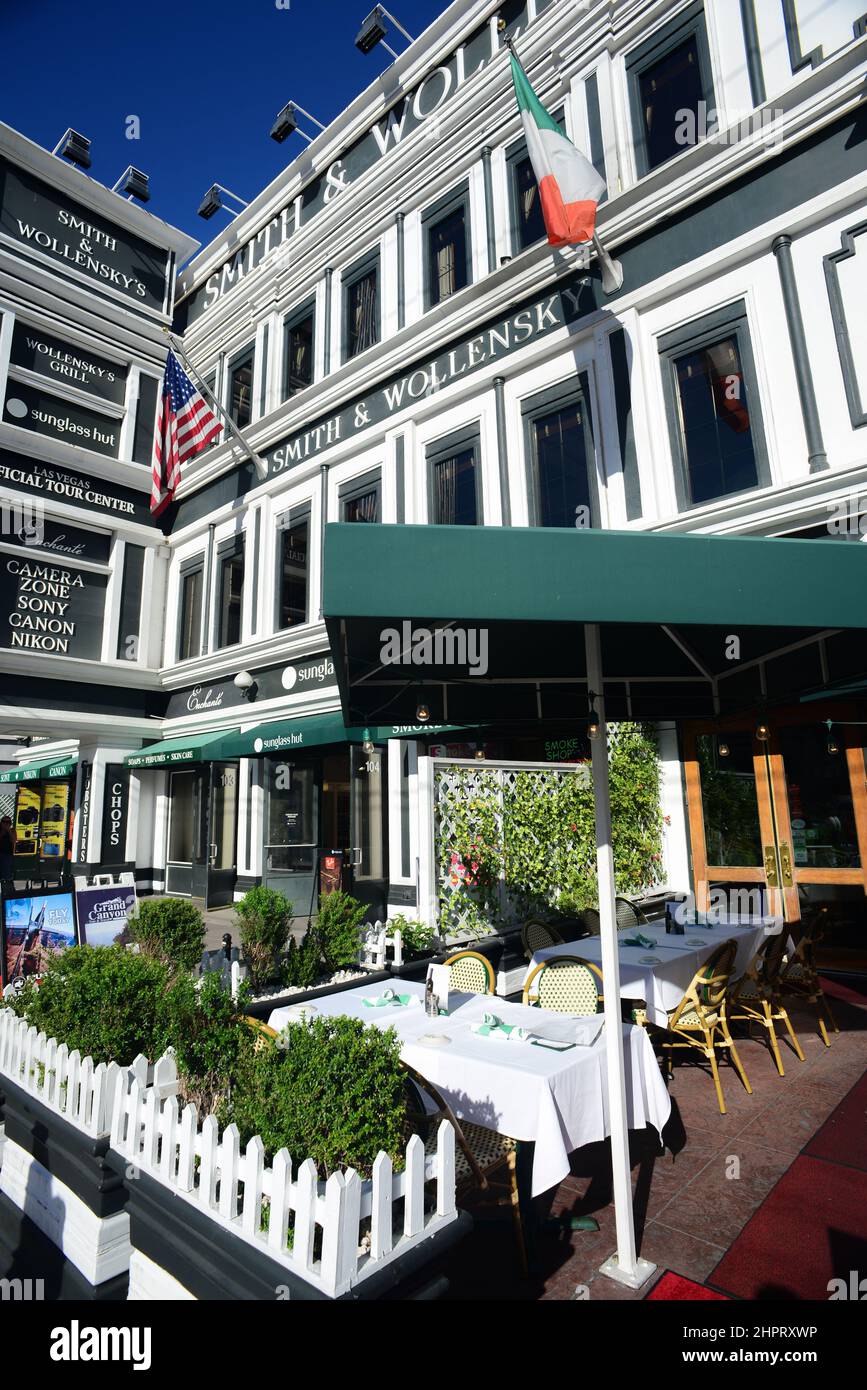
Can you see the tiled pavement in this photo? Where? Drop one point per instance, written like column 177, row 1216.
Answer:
column 689, row 1208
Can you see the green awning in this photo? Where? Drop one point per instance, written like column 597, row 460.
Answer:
column 28, row 773
column 40, row 772
column 315, row 730
column 690, row 625
column 177, row 752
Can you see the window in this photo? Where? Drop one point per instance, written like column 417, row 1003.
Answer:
column 359, row 499
column 190, row 611
column 128, row 630
column 527, row 219
column 454, row 496
column 361, row 305
column 294, row 577
column 560, row 457
column 298, row 351
column 712, row 404
column 145, row 419
column 230, row 591
column 670, row 89
column 210, row 380
column 445, row 228
column 240, row 392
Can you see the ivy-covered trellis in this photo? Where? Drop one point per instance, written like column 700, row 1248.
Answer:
column 511, row 842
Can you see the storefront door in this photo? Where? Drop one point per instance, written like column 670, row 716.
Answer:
column 203, row 832
column 292, row 832
column 368, row 828
column 786, row 813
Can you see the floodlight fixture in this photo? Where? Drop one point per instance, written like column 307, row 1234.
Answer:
column 286, row 122
column 374, row 30
column 134, row 183
column 212, row 202
column 75, row 147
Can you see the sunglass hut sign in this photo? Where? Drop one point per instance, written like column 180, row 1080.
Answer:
column 412, row 111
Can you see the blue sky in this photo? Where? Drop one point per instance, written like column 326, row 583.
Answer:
column 206, row 78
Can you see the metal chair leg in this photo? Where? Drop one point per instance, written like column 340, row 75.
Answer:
column 788, row 1022
column 711, row 1053
column 772, row 1037
column 738, row 1064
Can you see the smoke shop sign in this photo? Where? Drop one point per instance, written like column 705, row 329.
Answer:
column 534, row 320
column 53, row 609
column 59, row 361
column 58, row 419
column 42, row 219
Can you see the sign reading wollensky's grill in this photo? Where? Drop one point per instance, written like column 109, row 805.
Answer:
column 458, row 648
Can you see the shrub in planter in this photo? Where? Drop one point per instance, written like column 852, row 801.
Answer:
column 301, row 966
column 417, row 937
column 170, row 930
column 334, row 1091
column 338, row 930
column 208, row 1035
column 105, row 1001
column 265, row 920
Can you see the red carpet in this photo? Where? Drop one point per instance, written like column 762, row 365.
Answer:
column 854, row 992
column 674, row 1287
column 810, row 1229
column 843, row 1136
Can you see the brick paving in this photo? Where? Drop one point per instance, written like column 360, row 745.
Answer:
column 688, row 1206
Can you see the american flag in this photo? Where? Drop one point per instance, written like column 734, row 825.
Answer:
column 186, row 425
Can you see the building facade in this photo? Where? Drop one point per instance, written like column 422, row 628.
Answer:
column 389, row 329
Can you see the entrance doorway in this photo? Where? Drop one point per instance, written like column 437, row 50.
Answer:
column 201, row 861
column 781, row 807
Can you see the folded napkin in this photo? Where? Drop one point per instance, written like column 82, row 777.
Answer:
column 388, row 997
column 645, row 942
column 493, row 1027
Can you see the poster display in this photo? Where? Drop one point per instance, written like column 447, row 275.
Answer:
column 35, row 926
column 55, row 816
column 27, row 816
column 104, row 913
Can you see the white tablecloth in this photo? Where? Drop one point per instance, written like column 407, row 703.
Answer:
column 663, row 984
column 559, row 1100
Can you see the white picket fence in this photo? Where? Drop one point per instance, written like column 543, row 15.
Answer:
column 67, row 1083
column 377, row 944
column 361, row 1224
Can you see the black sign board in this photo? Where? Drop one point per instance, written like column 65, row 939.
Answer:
column 45, row 221
column 313, row 673
column 58, row 419
column 51, row 608
column 115, row 812
column 65, row 362
column 36, row 533
column 47, row 481
column 84, row 811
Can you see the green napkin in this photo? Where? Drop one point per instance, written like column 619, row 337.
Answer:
column 638, row 940
column 491, row 1024
column 388, row 997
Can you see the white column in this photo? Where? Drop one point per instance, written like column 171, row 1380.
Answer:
column 624, row 1266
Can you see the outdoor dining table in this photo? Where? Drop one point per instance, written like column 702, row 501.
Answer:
column 660, row 973
column 556, row 1099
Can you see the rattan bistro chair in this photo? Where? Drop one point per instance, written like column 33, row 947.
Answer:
column 265, row 1034
column 699, row 1021
column 566, row 985
column 485, row 1161
column 471, row 973
column 537, row 935
column 629, row 915
column 799, row 978
column 756, row 997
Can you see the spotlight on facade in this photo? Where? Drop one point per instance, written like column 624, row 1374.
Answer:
column 213, row 201
column 286, row 122
column 135, row 183
column 246, row 684
column 74, row 147
column 763, row 733
column 422, row 713
column 374, row 30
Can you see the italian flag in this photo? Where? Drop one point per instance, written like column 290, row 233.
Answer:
column 569, row 186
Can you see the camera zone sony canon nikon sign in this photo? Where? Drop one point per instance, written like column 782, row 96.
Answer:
column 51, row 608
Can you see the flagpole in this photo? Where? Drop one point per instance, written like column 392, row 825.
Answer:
column 259, row 463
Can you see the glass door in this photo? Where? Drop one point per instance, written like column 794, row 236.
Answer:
column 786, row 813
column 291, row 832
column 184, row 799
column 368, row 827
column 222, row 837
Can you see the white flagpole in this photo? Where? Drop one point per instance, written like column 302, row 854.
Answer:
column 612, row 271
column 260, row 464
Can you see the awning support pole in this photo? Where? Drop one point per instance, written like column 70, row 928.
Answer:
column 624, row 1266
